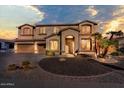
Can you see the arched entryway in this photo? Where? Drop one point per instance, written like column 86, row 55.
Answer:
column 69, row 44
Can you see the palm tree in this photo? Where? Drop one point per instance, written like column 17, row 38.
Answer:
column 97, row 37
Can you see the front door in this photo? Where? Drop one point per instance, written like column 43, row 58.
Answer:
column 69, row 47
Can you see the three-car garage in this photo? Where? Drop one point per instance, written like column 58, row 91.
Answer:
column 30, row 47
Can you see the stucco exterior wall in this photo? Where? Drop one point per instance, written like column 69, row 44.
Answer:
column 49, row 30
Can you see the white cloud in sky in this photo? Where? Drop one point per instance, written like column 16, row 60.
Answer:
column 92, row 11
column 117, row 21
column 13, row 16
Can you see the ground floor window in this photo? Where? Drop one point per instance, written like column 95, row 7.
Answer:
column 54, row 45
column 86, row 44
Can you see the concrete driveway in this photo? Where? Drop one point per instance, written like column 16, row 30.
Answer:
column 41, row 78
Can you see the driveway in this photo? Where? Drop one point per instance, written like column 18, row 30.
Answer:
column 75, row 66
column 41, row 78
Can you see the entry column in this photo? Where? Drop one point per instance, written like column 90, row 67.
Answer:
column 35, row 48
column 15, row 48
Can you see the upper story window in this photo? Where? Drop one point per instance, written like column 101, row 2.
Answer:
column 42, row 31
column 55, row 30
column 26, row 31
column 86, row 29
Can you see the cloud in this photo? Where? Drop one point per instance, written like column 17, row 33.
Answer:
column 13, row 16
column 92, row 10
column 119, row 11
column 36, row 10
column 8, row 34
column 116, row 23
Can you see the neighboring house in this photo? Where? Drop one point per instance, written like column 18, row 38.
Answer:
column 120, row 44
column 60, row 38
column 6, row 45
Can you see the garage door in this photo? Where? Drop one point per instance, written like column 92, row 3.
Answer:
column 25, row 48
column 41, row 48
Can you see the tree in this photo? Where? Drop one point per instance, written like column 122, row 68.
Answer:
column 111, row 41
column 114, row 33
column 97, row 37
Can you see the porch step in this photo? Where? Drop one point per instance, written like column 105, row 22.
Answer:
column 68, row 55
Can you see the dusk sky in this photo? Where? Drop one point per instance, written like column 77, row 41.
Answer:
column 108, row 17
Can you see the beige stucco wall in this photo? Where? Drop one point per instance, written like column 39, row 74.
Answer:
column 49, row 30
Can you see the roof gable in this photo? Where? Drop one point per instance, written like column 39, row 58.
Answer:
column 69, row 28
column 88, row 22
column 26, row 25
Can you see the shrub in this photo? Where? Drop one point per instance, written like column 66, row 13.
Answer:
column 26, row 64
column 50, row 53
column 12, row 67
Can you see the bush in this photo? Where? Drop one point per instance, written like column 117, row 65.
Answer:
column 26, row 64
column 12, row 67
column 50, row 53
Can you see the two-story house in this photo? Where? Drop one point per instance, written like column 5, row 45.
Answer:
column 61, row 38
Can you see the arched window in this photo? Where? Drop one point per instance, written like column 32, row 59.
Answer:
column 85, row 29
column 26, row 31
